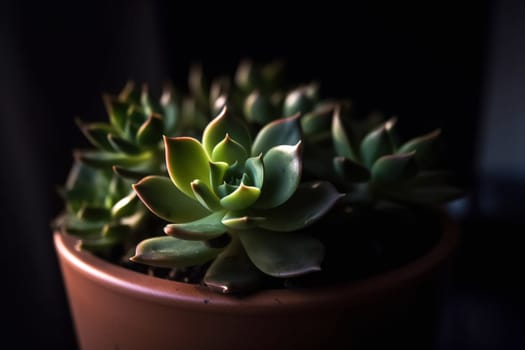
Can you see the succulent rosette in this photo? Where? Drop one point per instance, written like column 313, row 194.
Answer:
column 249, row 192
column 369, row 160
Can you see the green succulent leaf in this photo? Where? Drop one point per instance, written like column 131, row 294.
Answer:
column 319, row 120
column 243, row 197
column 254, row 169
column 286, row 131
column 97, row 133
column 82, row 228
column 208, row 227
column 206, row 197
column 171, row 252
column 217, row 172
column 282, row 173
column 130, row 174
column 233, row 272
column 309, row 203
column 150, row 132
column 117, row 232
column 258, row 108
column 171, row 110
column 91, row 213
column 425, row 148
column 282, row 254
column 130, row 93
column 297, row 101
column 342, row 145
column 246, row 76
column 85, row 184
column 229, row 151
column 395, row 168
column 125, row 206
column 375, row 145
column 186, row 161
column 240, row 221
column 350, row 170
column 120, row 144
column 166, row 201
column 102, row 159
column 224, row 124
column 117, row 111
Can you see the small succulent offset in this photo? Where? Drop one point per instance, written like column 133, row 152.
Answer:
column 371, row 163
column 237, row 203
column 101, row 207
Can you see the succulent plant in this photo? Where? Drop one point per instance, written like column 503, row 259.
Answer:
column 102, row 208
column 370, row 162
column 246, row 195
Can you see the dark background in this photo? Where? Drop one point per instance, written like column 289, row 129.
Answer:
column 454, row 65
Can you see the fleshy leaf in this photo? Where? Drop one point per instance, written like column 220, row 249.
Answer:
column 205, row 195
column 217, row 172
column 342, row 145
column 286, row 131
column 150, row 133
column 238, row 221
column 116, row 231
column 243, row 197
column 424, row 146
column 254, row 168
column 282, row 254
column 229, row 151
column 99, row 159
column 394, row 168
column 232, row 271
column 308, row 204
column 351, row 171
column 297, row 101
column 186, row 161
column 130, row 174
column 91, row 213
column 282, row 173
column 319, row 120
column 125, row 206
column 171, row 252
column 166, row 201
column 171, row 111
column 97, row 133
column 122, row 145
column 375, row 145
column 117, row 111
column 224, row 124
column 258, row 108
column 205, row 228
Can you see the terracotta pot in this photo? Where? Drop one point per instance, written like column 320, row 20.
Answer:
column 116, row 308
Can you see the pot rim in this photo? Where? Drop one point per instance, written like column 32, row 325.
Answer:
column 197, row 297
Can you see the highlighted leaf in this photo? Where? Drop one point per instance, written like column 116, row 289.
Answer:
column 171, row 252
column 243, row 197
column 150, row 132
column 229, row 151
column 224, row 124
column 342, row 145
column 166, row 201
column 205, row 228
column 282, row 173
column 286, row 131
column 375, row 145
column 186, row 161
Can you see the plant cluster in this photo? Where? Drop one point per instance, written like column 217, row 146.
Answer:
column 230, row 175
